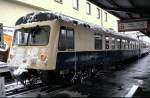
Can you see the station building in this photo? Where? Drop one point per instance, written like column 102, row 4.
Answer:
column 83, row 10
column 11, row 10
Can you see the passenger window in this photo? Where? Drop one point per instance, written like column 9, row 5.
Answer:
column 113, row 42
column 70, row 39
column 131, row 45
column 123, row 44
column 126, row 44
column 98, row 41
column 118, row 44
column 106, row 42
column 66, row 39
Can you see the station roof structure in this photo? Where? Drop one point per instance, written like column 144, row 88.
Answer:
column 126, row 9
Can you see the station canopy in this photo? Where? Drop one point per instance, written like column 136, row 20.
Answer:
column 128, row 10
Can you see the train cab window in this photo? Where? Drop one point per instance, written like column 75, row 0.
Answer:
column 98, row 41
column 38, row 35
column 118, row 43
column 66, row 39
column 106, row 42
column 113, row 43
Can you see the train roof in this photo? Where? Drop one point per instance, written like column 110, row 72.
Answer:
column 49, row 15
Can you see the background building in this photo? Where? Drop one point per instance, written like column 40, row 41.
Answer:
column 11, row 10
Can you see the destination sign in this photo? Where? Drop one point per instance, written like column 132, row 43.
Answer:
column 136, row 25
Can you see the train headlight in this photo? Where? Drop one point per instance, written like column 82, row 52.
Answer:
column 43, row 56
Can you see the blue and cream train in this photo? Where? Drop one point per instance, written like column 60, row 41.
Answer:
column 55, row 43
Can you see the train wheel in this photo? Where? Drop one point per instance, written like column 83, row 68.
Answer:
column 33, row 80
column 49, row 77
column 79, row 77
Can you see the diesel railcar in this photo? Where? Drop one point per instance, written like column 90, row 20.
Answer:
column 53, row 43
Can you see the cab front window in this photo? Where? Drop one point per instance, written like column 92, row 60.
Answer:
column 38, row 35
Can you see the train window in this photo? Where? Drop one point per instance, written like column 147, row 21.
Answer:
column 137, row 45
column 38, row 35
column 66, row 39
column 126, row 44
column 106, row 42
column 123, row 44
column 62, row 39
column 133, row 45
column 70, row 39
column 144, row 45
column 118, row 44
column 129, row 44
column 98, row 41
column 113, row 42
column 20, row 38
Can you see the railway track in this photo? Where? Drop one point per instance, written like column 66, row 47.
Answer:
column 62, row 92
column 39, row 91
column 16, row 88
column 24, row 91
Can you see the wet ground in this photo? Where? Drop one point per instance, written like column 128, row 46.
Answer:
column 116, row 83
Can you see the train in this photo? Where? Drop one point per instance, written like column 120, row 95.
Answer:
column 55, row 45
